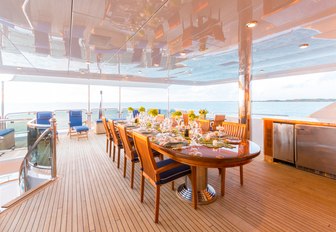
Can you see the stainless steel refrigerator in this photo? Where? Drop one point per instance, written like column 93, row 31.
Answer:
column 316, row 148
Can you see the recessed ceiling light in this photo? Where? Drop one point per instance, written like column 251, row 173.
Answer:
column 303, row 45
column 182, row 54
column 252, row 24
column 18, row 68
column 156, row 65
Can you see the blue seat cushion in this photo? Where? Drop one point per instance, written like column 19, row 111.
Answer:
column 75, row 118
column 173, row 173
column 136, row 158
column 99, row 121
column 43, row 117
column 80, row 128
column 6, row 131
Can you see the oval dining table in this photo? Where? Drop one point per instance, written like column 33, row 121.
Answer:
column 200, row 158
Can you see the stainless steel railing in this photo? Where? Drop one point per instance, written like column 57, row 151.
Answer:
column 39, row 164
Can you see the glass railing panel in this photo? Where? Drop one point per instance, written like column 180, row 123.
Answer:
column 107, row 112
column 37, row 166
column 18, row 122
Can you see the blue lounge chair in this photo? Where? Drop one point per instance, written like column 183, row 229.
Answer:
column 76, row 127
column 43, row 118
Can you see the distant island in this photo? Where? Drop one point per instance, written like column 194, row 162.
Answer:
column 302, row 100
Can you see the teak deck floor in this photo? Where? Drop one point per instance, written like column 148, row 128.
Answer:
column 92, row 195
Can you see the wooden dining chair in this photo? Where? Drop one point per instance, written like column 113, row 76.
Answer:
column 160, row 118
column 218, row 120
column 129, row 151
column 236, row 130
column 204, row 124
column 109, row 138
column 185, row 119
column 157, row 173
column 117, row 145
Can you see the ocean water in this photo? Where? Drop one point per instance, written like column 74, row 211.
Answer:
column 288, row 108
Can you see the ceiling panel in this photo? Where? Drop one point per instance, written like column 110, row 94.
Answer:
column 180, row 42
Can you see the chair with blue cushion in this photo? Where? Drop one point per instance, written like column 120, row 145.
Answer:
column 76, row 127
column 135, row 113
column 129, row 151
column 43, row 118
column 157, row 173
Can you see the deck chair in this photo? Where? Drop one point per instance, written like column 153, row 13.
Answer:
column 43, row 118
column 76, row 127
column 157, row 173
column 218, row 120
column 117, row 144
column 236, row 130
column 185, row 119
column 160, row 118
column 129, row 151
column 109, row 138
column 204, row 124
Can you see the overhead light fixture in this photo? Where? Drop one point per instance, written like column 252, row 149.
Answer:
column 252, row 24
column 156, row 65
column 183, row 53
column 139, row 71
column 303, row 45
column 18, row 68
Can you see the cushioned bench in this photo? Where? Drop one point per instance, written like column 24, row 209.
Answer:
column 7, row 140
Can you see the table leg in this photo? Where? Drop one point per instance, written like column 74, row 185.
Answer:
column 205, row 192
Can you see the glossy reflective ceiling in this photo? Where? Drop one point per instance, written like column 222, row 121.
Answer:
column 173, row 42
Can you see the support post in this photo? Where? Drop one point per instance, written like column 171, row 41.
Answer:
column 245, row 64
column 168, row 102
column 119, row 106
column 89, row 113
column 3, row 124
column 54, row 141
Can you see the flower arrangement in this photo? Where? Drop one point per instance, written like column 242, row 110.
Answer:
column 203, row 111
column 191, row 115
column 153, row 112
column 130, row 109
column 142, row 109
column 176, row 114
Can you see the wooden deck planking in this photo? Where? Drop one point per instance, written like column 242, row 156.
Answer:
column 92, row 195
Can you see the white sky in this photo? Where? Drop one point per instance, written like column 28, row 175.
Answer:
column 321, row 85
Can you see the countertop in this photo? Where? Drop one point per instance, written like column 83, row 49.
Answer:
column 307, row 121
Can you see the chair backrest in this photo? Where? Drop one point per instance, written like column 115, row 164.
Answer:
column 204, row 124
column 160, row 117
column 75, row 118
column 135, row 113
column 234, row 129
column 148, row 164
column 218, row 120
column 128, row 148
column 113, row 131
column 107, row 130
column 43, row 117
column 185, row 119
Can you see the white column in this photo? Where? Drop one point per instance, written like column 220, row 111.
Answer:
column 245, row 64
column 119, row 107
